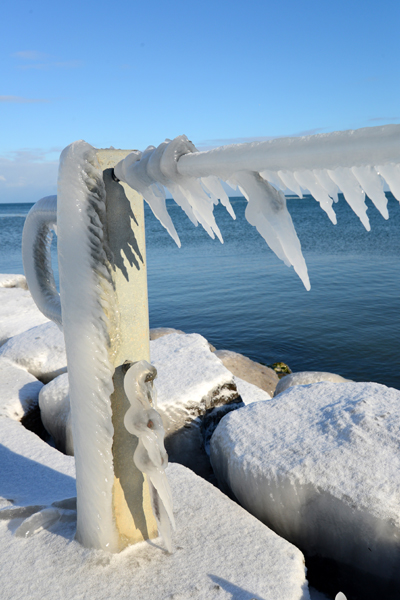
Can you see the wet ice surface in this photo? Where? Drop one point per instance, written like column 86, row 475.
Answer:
column 320, row 465
column 150, row 457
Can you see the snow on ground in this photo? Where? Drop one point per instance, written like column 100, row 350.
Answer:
column 40, row 350
column 305, row 378
column 320, row 465
column 220, row 551
column 19, row 391
column 18, row 312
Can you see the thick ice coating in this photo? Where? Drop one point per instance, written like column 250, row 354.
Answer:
column 88, row 305
column 36, row 241
column 357, row 163
column 150, row 457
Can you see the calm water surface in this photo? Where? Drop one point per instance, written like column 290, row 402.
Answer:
column 241, row 297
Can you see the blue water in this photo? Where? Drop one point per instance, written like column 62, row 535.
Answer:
column 241, row 297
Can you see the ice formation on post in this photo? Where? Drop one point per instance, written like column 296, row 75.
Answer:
column 357, row 163
column 36, row 241
column 150, row 457
column 87, row 296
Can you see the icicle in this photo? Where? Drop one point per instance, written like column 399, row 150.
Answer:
column 290, row 182
column 150, row 457
column 267, row 211
column 273, row 178
column 216, row 190
column 138, row 178
column 308, row 180
column 154, row 170
column 37, row 522
column 354, row 195
column 372, row 184
column 391, row 173
column 323, row 179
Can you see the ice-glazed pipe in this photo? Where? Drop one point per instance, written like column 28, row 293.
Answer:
column 357, row 163
column 150, row 457
column 346, row 149
column 36, row 242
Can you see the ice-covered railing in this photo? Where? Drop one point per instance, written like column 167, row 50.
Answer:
column 357, row 163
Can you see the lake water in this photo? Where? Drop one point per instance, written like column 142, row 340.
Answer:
column 241, row 297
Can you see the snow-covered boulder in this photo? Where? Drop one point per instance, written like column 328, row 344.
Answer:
column 249, row 370
column 18, row 312
column 321, row 466
column 220, row 552
column 40, row 350
column 306, row 378
column 191, row 381
column 158, row 332
column 249, row 392
column 55, row 413
column 8, row 280
column 19, row 391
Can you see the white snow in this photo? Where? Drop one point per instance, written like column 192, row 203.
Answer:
column 220, row 551
column 354, row 162
column 32, row 472
column 13, row 281
column 320, row 465
column 18, row 312
column 187, row 372
column 306, row 378
column 250, row 392
column 19, row 391
column 40, row 350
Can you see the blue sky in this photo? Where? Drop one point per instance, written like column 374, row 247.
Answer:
column 130, row 74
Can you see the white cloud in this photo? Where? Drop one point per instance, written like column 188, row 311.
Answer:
column 21, row 100
column 30, row 55
column 27, row 175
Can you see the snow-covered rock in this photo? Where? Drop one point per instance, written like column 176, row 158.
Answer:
column 249, row 392
column 249, row 370
column 321, row 466
column 32, row 472
column 19, row 391
column 191, row 381
column 55, row 413
column 158, row 332
column 18, row 312
column 220, row 551
column 306, row 378
column 8, row 280
column 40, row 350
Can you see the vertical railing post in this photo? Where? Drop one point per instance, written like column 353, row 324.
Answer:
column 129, row 340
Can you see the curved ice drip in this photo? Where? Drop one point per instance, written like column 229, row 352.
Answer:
column 37, row 235
column 354, row 162
column 150, row 457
